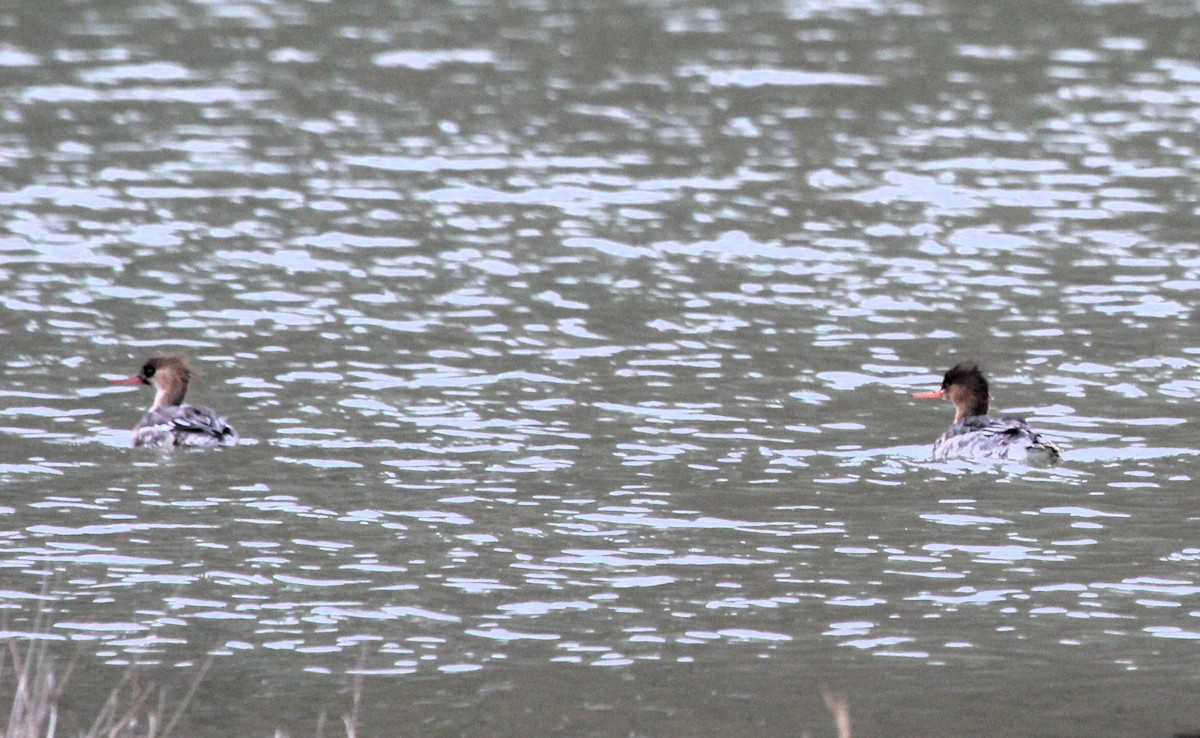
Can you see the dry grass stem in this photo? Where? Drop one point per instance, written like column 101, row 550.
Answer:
column 839, row 707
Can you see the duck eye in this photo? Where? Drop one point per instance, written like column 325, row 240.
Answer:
column 148, row 371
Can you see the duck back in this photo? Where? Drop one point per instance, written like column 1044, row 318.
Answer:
column 984, row 436
column 183, row 425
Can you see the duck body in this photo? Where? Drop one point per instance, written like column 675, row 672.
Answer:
column 170, row 423
column 183, row 425
column 977, row 435
column 984, row 436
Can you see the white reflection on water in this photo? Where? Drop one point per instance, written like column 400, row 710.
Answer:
column 598, row 352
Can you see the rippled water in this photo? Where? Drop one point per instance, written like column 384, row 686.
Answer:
column 574, row 349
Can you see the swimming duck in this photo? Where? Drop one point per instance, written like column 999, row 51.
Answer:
column 169, row 422
column 974, row 433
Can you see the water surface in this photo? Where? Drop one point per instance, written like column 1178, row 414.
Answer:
column 574, row 349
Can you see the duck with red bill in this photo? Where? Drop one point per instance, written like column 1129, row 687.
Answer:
column 974, row 433
column 169, row 422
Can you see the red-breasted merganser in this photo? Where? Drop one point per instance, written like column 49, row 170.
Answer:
column 975, row 434
column 169, row 422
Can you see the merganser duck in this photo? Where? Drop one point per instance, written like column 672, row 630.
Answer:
column 169, row 422
column 975, row 434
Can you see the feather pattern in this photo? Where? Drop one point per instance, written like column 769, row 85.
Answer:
column 997, row 438
column 184, row 425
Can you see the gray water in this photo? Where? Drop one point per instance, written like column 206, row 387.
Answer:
column 573, row 347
